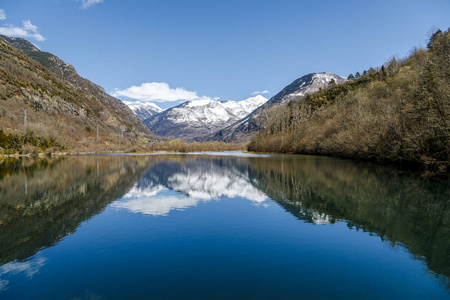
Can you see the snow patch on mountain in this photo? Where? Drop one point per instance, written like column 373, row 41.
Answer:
column 201, row 117
column 143, row 110
column 308, row 84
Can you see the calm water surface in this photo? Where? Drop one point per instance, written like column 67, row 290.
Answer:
column 220, row 227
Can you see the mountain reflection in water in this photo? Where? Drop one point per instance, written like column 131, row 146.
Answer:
column 42, row 201
column 195, row 180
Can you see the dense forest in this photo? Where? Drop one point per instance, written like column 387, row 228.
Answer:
column 396, row 113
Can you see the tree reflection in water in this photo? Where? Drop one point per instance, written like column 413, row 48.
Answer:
column 41, row 201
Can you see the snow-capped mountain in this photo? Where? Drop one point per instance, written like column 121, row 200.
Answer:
column 243, row 129
column 201, row 117
column 143, row 110
column 307, row 84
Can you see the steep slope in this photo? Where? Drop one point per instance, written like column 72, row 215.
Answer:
column 242, row 130
column 201, row 117
column 143, row 110
column 58, row 102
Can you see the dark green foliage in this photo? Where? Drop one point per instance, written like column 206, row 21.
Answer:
column 435, row 36
column 383, row 73
column 13, row 143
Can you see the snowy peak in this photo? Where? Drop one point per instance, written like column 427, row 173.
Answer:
column 143, row 110
column 242, row 108
column 201, row 117
column 307, row 84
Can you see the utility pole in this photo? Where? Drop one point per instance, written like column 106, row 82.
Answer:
column 25, row 119
column 97, row 133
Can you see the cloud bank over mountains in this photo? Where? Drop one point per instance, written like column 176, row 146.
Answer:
column 158, row 92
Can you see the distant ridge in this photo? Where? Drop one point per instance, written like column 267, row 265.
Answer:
column 197, row 118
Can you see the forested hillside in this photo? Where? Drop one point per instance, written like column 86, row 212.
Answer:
column 396, row 113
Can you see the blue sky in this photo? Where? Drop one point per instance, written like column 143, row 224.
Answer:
column 226, row 49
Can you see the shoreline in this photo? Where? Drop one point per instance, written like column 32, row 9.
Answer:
column 426, row 171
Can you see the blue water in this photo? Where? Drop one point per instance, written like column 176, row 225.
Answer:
column 209, row 227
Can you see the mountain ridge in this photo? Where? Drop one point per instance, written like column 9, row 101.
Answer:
column 196, row 118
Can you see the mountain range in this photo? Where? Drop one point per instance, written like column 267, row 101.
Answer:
column 198, row 118
column 229, row 121
column 54, row 93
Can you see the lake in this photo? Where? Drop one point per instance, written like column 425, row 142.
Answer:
column 224, row 226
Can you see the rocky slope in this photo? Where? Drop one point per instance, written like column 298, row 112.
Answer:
column 242, row 130
column 201, row 117
column 58, row 101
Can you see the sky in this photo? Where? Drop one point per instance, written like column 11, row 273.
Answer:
column 170, row 51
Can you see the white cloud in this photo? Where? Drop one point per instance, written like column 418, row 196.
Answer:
column 85, row 4
column 2, row 14
column 260, row 92
column 27, row 31
column 29, row 27
column 157, row 91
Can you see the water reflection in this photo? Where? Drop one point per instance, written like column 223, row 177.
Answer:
column 195, row 180
column 42, row 201
column 400, row 207
column 28, row 268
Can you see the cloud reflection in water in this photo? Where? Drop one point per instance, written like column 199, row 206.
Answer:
column 30, row 268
